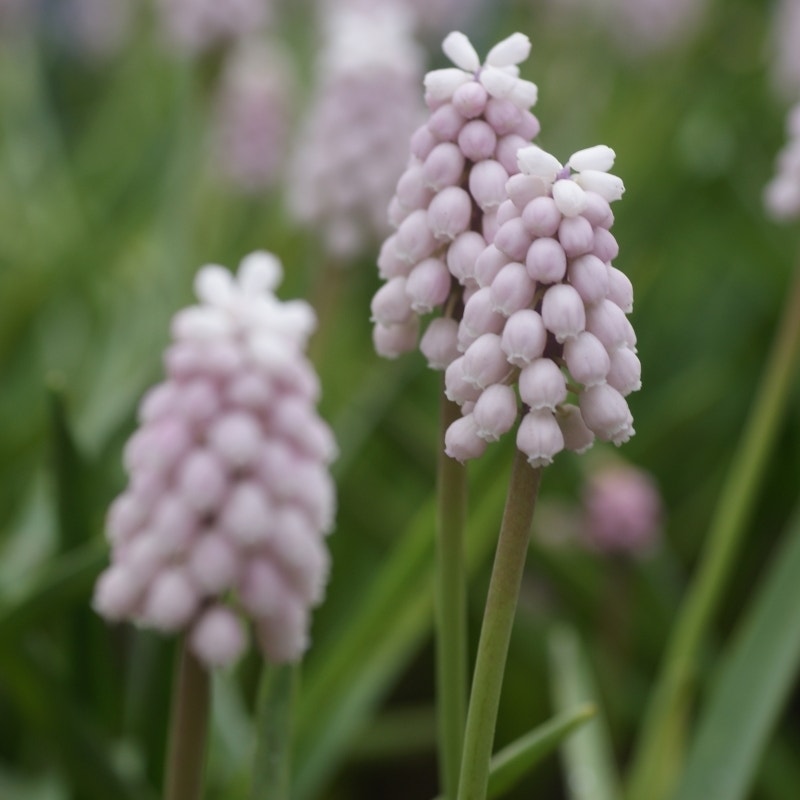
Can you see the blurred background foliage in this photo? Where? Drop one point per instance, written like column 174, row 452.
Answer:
column 110, row 200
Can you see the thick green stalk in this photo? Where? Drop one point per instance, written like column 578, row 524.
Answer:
column 662, row 740
column 188, row 728
column 451, row 617
column 501, row 604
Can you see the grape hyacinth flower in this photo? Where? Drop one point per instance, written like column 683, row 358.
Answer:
column 192, row 26
column 353, row 142
column 229, row 493
column 782, row 194
column 252, row 114
column 553, row 317
column 446, row 203
column 622, row 510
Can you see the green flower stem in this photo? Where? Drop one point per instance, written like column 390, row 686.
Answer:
column 276, row 695
column 451, row 617
column 188, row 728
column 661, row 743
column 501, row 604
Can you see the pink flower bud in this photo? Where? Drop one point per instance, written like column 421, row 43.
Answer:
column 546, row 260
column 470, row 99
column 246, row 514
column 391, row 341
column 605, row 246
column 157, row 402
column 625, row 371
column 606, row 413
column 262, row 589
column 413, row 188
column 607, row 321
column 487, row 182
column 422, row 142
column 577, row 437
column 446, row 123
column 414, row 239
column 563, row 312
column 512, row 289
column 428, row 285
column 457, row 389
column 524, row 337
column 485, row 362
column 249, row 390
column 199, row 400
column 503, row 116
column 542, row 385
column 620, row 290
column 488, row 264
column 541, row 215
column 479, row 318
column 391, row 304
column 171, row 600
column 539, row 437
column 495, row 411
column 202, row 481
column 506, row 211
column 125, row 516
column 450, row 213
column 218, row 638
column 576, row 236
column 586, row 359
column 506, row 151
column 390, row 265
column 589, row 275
column 513, row 239
column 569, row 198
column 174, row 524
column 117, row 593
column 528, row 127
column 213, row 563
column 521, row 189
column 461, row 440
column 236, row 439
column 462, row 255
column 598, row 211
column 477, row 140
column 443, row 167
column 439, row 342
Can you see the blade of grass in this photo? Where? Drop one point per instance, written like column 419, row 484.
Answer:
column 751, row 686
column 588, row 756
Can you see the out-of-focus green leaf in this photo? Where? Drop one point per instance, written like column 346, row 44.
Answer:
column 516, row 760
column 588, row 756
column 753, row 681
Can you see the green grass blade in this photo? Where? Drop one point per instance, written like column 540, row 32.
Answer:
column 753, row 683
column 516, row 760
column 588, row 757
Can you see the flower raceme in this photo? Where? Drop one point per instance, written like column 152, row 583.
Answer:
column 229, row 493
column 548, row 316
column 445, row 206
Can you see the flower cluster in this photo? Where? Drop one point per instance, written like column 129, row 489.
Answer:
column 782, row 194
column 252, row 114
column 446, row 202
column 229, row 491
column 353, row 142
column 549, row 315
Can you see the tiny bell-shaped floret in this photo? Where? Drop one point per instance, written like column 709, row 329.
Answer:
column 563, row 312
column 495, row 411
column 539, row 437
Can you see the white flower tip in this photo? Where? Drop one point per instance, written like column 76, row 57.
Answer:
column 441, row 83
column 512, row 50
column 259, row 272
column 458, row 48
column 532, row 160
column 600, row 158
column 213, row 284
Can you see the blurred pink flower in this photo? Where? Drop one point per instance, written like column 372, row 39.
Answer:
column 229, row 493
column 353, row 142
column 252, row 115
column 782, row 193
column 785, row 52
column 623, row 510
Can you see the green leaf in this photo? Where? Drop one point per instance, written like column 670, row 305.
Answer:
column 588, row 757
column 753, row 683
column 516, row 760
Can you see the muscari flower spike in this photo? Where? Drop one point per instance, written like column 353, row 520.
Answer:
column 229, row 495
